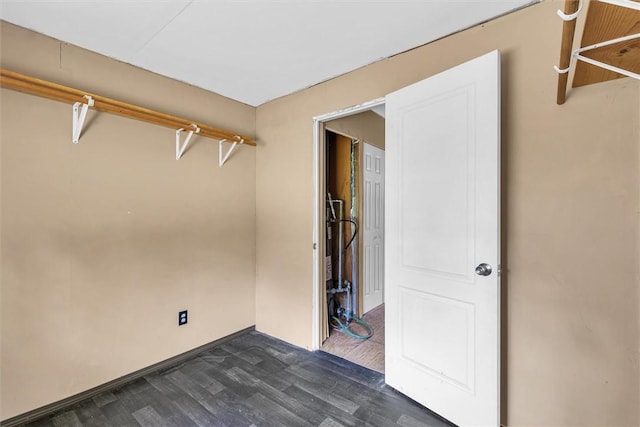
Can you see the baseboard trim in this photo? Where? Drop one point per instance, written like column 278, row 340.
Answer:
column 118, row 382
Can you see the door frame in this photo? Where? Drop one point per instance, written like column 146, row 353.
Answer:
column 318, row 206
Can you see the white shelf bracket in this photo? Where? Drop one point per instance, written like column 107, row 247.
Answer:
column 576, row 55
column 223, row 159
column 180, row 147
column 572, row 16
column 563, row 71
column 79, row 113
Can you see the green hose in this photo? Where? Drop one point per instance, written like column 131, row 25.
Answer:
column 345, row 327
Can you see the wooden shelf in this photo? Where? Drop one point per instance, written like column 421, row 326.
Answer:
column 604, row 22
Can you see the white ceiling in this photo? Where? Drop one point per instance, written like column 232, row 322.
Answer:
column 251, row 50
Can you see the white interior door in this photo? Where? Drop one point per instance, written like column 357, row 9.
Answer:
column 442, row 221
column 373, row 235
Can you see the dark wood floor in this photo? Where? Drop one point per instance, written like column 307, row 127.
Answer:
column 252, row 380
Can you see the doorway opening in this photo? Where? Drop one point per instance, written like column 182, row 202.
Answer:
column 350, row 210
column 442, row 239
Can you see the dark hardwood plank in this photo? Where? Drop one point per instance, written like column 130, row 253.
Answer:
column 322, row 407
column 314, row 385
column 42, row 422
column 291, row 404
column 148, row 417
column 274, row 379
column 251, row 380
column 162, row 404
column 205, row 397
column 196, row 371
column 275, row 414
column 230, row 381
column 90, row 415
column 408, row 421
column 104, row 398
column 117, row 415
column 239, row 406
column 67, row 419
column 230, row 415
column 330, row 422
column 187, row 405
column 247, row 354
column 133, row 396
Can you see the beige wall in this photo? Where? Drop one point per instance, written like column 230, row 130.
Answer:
column 637, row 253
column 570, row 219
column 367, row 126
column 105, row 241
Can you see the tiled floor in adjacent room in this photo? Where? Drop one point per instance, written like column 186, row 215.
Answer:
column 369, row 352
column 252, row 380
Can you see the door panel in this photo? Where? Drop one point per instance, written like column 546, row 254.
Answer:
column 442, row 220
column 443, row 352
column 373, row 235
column 437, row 226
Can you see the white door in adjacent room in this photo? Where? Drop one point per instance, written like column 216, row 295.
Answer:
column 442, row 287
column 373, row 234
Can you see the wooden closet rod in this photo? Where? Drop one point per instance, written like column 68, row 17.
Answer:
column 32, row 85
column 568, row 31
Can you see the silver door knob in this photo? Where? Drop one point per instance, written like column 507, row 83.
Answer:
column 483, row 269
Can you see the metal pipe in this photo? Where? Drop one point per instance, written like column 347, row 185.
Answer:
column 353, row 215
column 348, row 311
column 340, row 239
column 354, row 271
